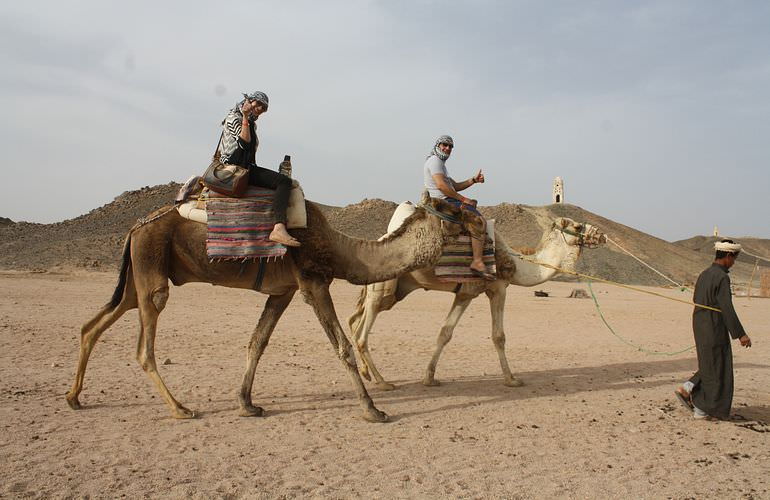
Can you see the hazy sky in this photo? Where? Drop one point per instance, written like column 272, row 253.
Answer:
column 656, row 114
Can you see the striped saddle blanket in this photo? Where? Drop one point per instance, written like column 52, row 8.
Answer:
column 454, row 263
column 238, row 228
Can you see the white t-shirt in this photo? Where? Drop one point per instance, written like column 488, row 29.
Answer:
column 434, row 165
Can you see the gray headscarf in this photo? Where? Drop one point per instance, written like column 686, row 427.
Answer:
column 256, row 96
column 444, row 139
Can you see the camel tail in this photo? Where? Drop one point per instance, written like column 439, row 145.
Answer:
column 117, row 295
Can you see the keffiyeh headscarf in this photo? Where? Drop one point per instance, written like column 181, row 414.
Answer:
column 444, row 139
column 726, row 246
column 256, row 96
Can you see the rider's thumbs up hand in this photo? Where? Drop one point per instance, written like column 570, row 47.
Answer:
column 478, row 177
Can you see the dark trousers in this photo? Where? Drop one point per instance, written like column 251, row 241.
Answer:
column 271, row 179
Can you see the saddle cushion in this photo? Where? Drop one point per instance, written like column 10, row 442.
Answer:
column 296, row 213
column 454, row 263
column 238, row 228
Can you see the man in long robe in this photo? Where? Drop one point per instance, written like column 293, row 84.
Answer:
column 709, row 392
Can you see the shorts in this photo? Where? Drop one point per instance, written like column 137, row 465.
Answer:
column 457, row 203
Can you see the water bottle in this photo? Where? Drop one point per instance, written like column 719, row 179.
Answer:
column 285, row 167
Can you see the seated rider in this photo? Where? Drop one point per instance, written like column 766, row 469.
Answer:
column 239, row 147
column 440, row 185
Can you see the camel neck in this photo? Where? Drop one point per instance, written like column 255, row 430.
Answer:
column 360, row 262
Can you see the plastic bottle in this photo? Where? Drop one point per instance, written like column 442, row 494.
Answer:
column 285, row 166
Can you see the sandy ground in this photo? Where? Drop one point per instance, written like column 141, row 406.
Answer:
column 596, row 417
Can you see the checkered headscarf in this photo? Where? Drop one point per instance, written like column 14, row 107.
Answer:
column 444, row 139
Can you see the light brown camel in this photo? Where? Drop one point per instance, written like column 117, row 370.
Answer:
column 170, row 247
column 560, row 246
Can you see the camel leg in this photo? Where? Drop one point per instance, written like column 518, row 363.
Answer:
column 362, row 343
column 274, row 308
column 150, row 306
column 455, row 313
column 90, row 334
column 361, row 324
column 496, row 295
column 317, row 295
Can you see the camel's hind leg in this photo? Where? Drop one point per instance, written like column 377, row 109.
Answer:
column 361, row 322
column 150, row 306
column 274, row 308
column 496, row 296
column 317, row 295
column 90, row 334
column 455, row 313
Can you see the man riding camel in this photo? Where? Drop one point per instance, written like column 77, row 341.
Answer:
column 440, row 185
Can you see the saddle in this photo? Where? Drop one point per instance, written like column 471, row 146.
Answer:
column 456, row 257
column 193, row 196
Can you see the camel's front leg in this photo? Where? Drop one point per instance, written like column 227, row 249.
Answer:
column 316, row 293
column 455, row 313
column 274, row 308
column 496, row 294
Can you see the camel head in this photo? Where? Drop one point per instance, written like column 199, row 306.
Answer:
column 579, row 234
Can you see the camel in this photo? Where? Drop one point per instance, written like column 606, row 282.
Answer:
column 167, row 247
column 560, row 246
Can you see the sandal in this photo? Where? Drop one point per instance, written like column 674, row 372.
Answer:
column 684, row 398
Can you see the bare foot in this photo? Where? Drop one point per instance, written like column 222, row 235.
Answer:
column 283, row 238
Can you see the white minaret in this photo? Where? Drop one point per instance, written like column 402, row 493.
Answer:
column 716, row 231
column 558, row 190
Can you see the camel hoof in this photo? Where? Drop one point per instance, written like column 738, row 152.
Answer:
column 514, row 382
column 431, row 382
column 183, row 413
column 73, row 402
column 251, row 411
column 376, row 416
column 385, row 386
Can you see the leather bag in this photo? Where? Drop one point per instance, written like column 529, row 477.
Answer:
column 226, row 179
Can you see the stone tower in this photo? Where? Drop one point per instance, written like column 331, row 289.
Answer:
column 558, row 190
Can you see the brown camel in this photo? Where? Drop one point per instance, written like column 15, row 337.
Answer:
column 168, row 247
column 560, row 246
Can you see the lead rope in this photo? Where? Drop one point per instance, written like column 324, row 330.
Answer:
column 598, row 307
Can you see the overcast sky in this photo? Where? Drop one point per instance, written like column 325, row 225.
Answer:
column 656, row 114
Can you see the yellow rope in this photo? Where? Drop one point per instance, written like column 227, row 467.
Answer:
column 601, row 280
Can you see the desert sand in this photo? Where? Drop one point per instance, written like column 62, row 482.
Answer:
column 596, row 417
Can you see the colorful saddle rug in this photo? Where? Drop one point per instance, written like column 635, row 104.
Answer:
column 238, row 228
column 454, row 263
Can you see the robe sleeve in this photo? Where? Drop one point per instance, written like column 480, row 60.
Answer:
column 725, row 302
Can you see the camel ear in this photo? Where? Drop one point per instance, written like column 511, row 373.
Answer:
column 425, row 198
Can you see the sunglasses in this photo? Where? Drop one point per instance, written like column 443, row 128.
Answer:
column 450, row 146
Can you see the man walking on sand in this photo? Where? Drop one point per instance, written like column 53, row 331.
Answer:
column 709, row 392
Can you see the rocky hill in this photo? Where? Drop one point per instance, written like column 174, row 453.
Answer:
column 94, row 240
column 756, row 246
